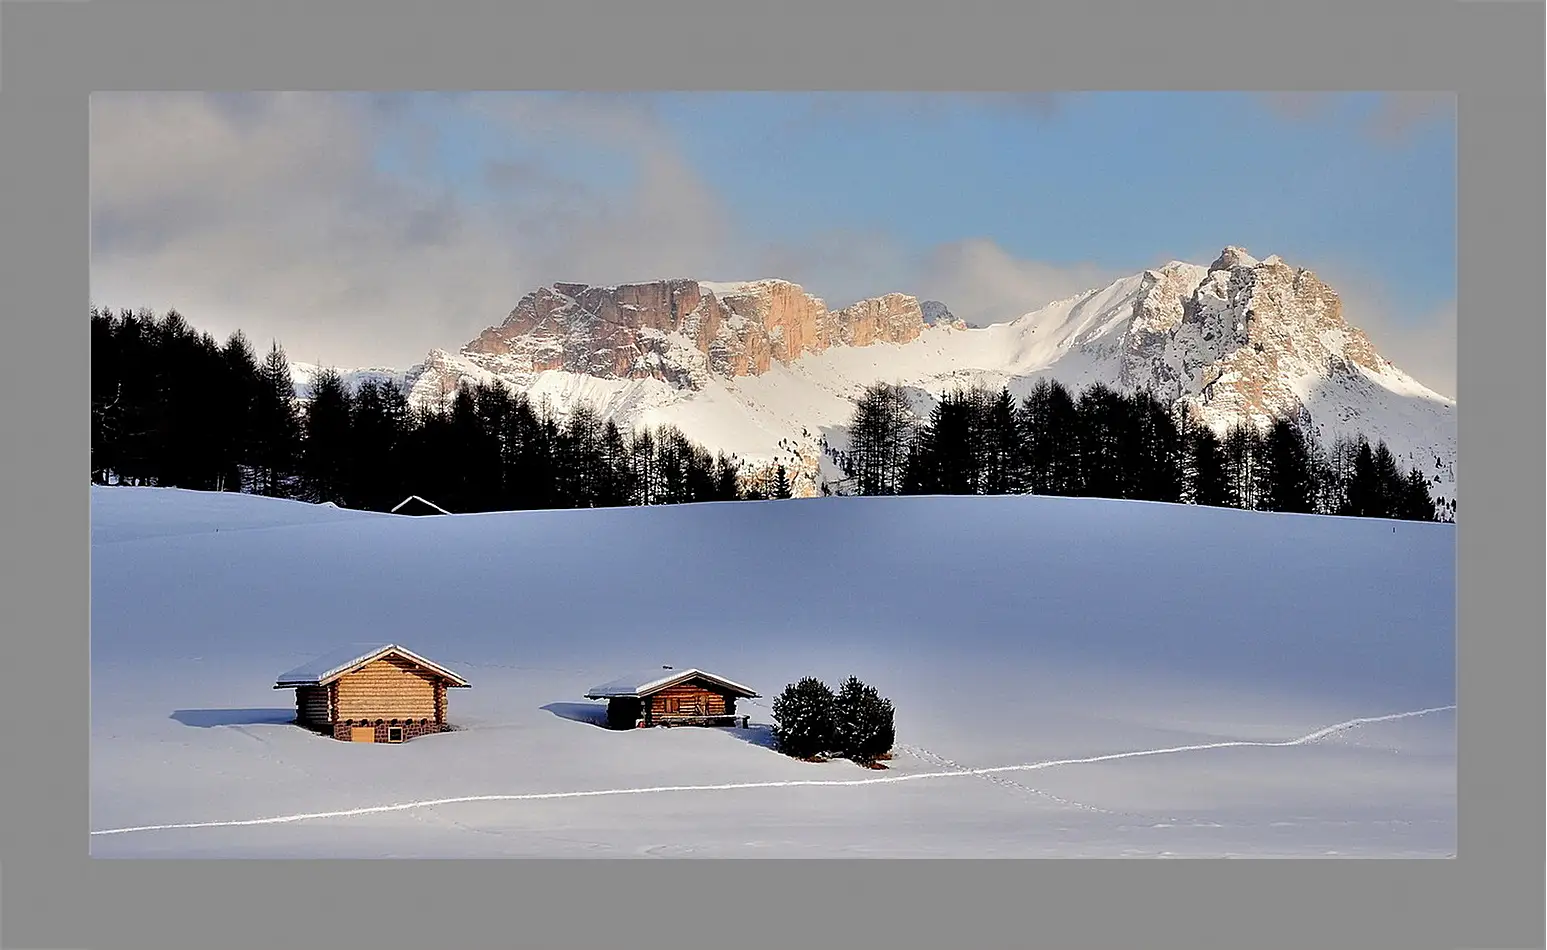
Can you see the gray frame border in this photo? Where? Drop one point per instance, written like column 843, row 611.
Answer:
column 52, row 54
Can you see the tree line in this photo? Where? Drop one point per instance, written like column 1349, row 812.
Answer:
column 172, row 407
column 1104, row 443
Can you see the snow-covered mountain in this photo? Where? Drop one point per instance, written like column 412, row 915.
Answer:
column 763, row 369
column 303, row 374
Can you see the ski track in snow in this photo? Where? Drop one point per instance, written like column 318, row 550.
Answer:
column 934, row 758
column 1306, row 739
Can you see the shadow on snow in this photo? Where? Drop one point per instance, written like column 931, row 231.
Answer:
column 207, row 718
column 593, row 714
column 590, row 713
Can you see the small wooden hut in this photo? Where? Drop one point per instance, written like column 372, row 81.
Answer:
column 371, row 693
column 414, row 505
column 671, row 697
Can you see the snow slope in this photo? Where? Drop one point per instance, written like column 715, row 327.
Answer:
column 1123, row 676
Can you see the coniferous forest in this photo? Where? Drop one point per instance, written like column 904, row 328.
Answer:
column 173, row 407
column 1102, row 443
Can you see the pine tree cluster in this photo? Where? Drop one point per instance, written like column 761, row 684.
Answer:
column 812, row 721
column 172, row 408
column 1104, row 444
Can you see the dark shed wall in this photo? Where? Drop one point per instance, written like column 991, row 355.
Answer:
column 311, row 704
column 622, row 713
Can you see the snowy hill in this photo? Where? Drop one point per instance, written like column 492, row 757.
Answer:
column 762, row 369
column 1065, row 683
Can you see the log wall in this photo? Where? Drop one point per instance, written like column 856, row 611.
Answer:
column 388, row 688
column 689, row 699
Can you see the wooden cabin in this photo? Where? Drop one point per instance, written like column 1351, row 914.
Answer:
column 414, row 505
column 670, row 697
column 371, row 693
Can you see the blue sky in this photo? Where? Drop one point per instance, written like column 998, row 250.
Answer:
column 1112, row 179
column 994, row 203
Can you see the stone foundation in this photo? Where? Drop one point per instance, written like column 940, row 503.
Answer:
column 412, row 728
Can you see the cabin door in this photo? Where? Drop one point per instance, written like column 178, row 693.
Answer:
column 362, row 734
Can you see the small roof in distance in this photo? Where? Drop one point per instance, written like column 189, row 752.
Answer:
column 422, row 502
column 643, row 684
column 328, row 667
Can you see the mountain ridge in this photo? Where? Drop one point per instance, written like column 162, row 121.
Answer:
column 764, row 370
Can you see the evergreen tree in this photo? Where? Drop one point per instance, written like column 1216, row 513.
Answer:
column 1326, row 488
column 1210, row 481
column 579, row 458
column 1338, row 475
column 1159, row 453
column 781, row 483
column 671, row 467
column 643, row 468
column 616, row 488
column 1105, row 442
column 863, row 722
column 950, row 455
column 431, row 456
column 183, row 426
column 1362, row 496
column 1049, row 436
column 1287, row 477
column 377, row 433
column 276, row 425
column 1003, row 457
column 1417, row 504
column 238, row 398
column 727, row 479
column 327, row 449
column 804, row 719
column 530, row 459
column 477, row 417
column 107, row 405
column 137, row 442
column 1243, row 450
column 879, row 433
column 1388, row 476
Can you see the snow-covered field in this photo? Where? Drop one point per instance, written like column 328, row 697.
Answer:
column 1072, row 677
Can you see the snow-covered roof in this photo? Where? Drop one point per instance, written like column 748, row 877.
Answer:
column 421, row 501
column 643, row 684
column 328, row 667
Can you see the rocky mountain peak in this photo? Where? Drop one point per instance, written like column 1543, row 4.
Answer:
column 1233, row 257
column 1242, row 339
column 682, row 331
column 937, row 314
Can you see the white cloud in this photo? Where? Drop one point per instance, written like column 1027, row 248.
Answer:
column 266, row 213
column 984, row 284
column 270, row 218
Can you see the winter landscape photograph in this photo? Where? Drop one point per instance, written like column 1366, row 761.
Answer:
column 773, row 475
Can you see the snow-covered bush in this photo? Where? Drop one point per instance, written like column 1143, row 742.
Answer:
column 863, row 722
column 803, row 715
column 855, row 723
